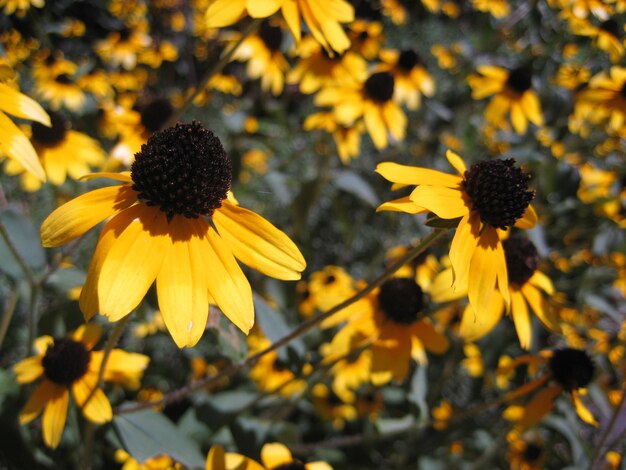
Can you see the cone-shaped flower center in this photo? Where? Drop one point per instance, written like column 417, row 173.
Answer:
column 65, row 361
column 272, row 36
column 571, row 368
column 499, row 191
column 401, row 300
column 408, row 59
column 611, row 26
column 63, row 79
column 50, row 136
column 330, row 278
column 294, row 465
column 522, row 259
column 520, row 79
column 183, row 170
column 532, row 452
column 379, row 87
column 155, row 114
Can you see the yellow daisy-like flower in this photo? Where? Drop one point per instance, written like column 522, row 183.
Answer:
column 372, row 101
column 61, row 91
column 70, row 364
column 13, row 142
column 160, row 462
column 497, row 8
column 330, row 407
column 322, row 17
column 171, row 221
column 513, row 95
column 526, row 288
column 604, row 100
column 277, row 456
column 492, row 195
column 122, row 48
column 347, row 139
column 63, row 152
column 395, row 10
column 217, row 459
column 607, row 36
column 19, row 7
column 366, row 38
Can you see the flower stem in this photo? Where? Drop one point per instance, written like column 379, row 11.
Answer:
column 7, row 315
column 295, row 333
column 16, row 254
column 602, row 443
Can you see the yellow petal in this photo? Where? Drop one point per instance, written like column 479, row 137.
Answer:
column 403, row 204
column 375, row 126
column 440, row 289
column 257, row 243
column 215, row 460
column 20, row 105
column 528, row 219
column 393, row 360
column 447, row 203
column 457, row 162
column 462, row 248
column 518, row 118
column 133, row 261
column 275, row 454
column 502, row 274
column 483, row 272
column 123, row 176
column 28, row 369
column 582, row 411
column 521, row 318
column 15, row 145
column 539, row 406
column 476, row 323
column 292, row 18
column 97, row 409
column 182, row 284
column 84, row 212
column 228, row 284
column 262, row 9
column 37, row 401
column 224, row 13
column 88, row 334
column 405, row 174
column 540, row 309
column 432, row 340
column 54, row 416
column 543, row 282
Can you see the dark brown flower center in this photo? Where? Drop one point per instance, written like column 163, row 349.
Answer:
column 293, row 465
column 520, row 79
column 408, row 59
column 623, row 91
column 522, row 259
column 532, row 452
column 155, row 114
column 183, row 170
column 272, row 36
column 401, row 300
column 63, row 79
column 329, row 279
column 571, row 368
column 50, row 136
column 65, row 361
column 612, row 27
column 379, row 87
column 498, row 191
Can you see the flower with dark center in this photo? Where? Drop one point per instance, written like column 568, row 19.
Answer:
column 401, row 300
column 53, row 135
column 294, row 465
column 611, row 26
column 571, row 368
column 330, row 279
column 155, row 114
column 498, row 191
column 182, row 170
column 363, row 35
column 520, row 79
column 272, row 36
column 63, row 79
column 125, row 33
column 65, row 361
column 379, row 87
column 522, row 259
column 532, row 452
column 408, row 59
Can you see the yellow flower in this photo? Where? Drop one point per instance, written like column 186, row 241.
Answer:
column 217, row 459
column 513, row 94
column 571, row 76
column 395, row 10
column 160, row 462
column 604, row 100
column 61, row 91
column 322, row 17
column 122, row 48
column 330, row 407
column 371, row 101
column 158, row 229
column 13, row 142
column 70, row 364
column 347, row 139
column 275, row 456
column 63, row 152
column 497, row 8
column 526, row 453
column 19, row 7
column 476, row 252
column 606, row 36
column 366, row 38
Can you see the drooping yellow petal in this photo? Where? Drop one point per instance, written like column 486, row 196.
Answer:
column 539, row 406
column 403, row 204
column 292, row 18
column 582, row 411
column 15, row 145
column 133, row 261
column 88, row 334
column 262, row 9
column 447, row 203
column 224, row 13
column 228, row 284
column 241, row 462
column 457, row 162
column 483, row 270
column 54, row 416
column 432, row 340
column 84, row 212
column 123, row 176
column 182, row 284
column 20, row 105
column 97, row 409
column 502, row 274
column 543, row 282
column 539, row 307
column 528, row 220
column 405, row 174
column 394, row 360
column 521, row 318
column 476, row 323
column 37, row 401
column 28, row 369
column 440, row 289
column 257, row 243
column 275, row 454
column 518, row 118
column 215, row 458
column 375, row 125
column 463, row 246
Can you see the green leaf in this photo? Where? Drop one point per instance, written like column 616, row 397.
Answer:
column 146, row 434
column 25, row 238
column 273, row 324
column 436, row 222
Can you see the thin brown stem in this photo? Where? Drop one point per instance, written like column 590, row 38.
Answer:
column 602, row 443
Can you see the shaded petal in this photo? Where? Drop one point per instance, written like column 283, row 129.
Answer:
column 375, row 125
column 476, row 323
column 539, row 406
column 540, row 309
column 123, row 176
column 483, row 268
column 37, row 401
column 84, row 212
column 262, row 9
column 447, row 203
column 88, row 334
column 518, row 118
column 432, row 340
column 28, row 369
column 391, row 362
column 20, row 105
column 257, row 243
column 215, row 459
column 462, row 248
column 528, row 219
column 275, row 454
column 403, row 204
column 521, row 318
column 97, row 409
column 54, row 415
column 582, row 411
column 502, row 273
column 543, row 282
column 224, row 13
column 405, row 174
column 14, row 143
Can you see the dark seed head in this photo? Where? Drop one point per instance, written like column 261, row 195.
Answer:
column 532, row 452
column 623, row 91
column 499, row 191
column 379, row 87
column 155, row 114
column 408, row 59
column 125, row 33
column 520, row 79
column 401, row 300
column 612, row 27
column 522, row 259
column 329, row 279
column 50, row 136
column 571, row 368
column 272, row 36
column 63, row 79
column 65, row 361
column 183, row 170
column 294, row 465
column 363, row 35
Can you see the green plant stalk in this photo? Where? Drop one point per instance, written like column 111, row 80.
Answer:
column 5, row 320
column 295, row 333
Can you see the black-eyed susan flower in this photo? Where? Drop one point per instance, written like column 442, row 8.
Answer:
column 394, row 9
column 526, row 453
column 67, row 364
column 61, row 91
column 411, row 80
column 513, row 95
column 170, row 220
column 276, row 456
column 347, row 138
column 13, row 143
column 330, row 407
column 217, row 459
column 366, row 38
column 322, row 17
column 607, row 36
column 159, row 462
column 604, row 100
column 371, row 101
column 19, row 7
column 497, row 8
column 491, row 195
column 122, row 48
column 62, row 151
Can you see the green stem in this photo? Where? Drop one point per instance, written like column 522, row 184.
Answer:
column 295, row 333
column 7, row 315
column 16, row 254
